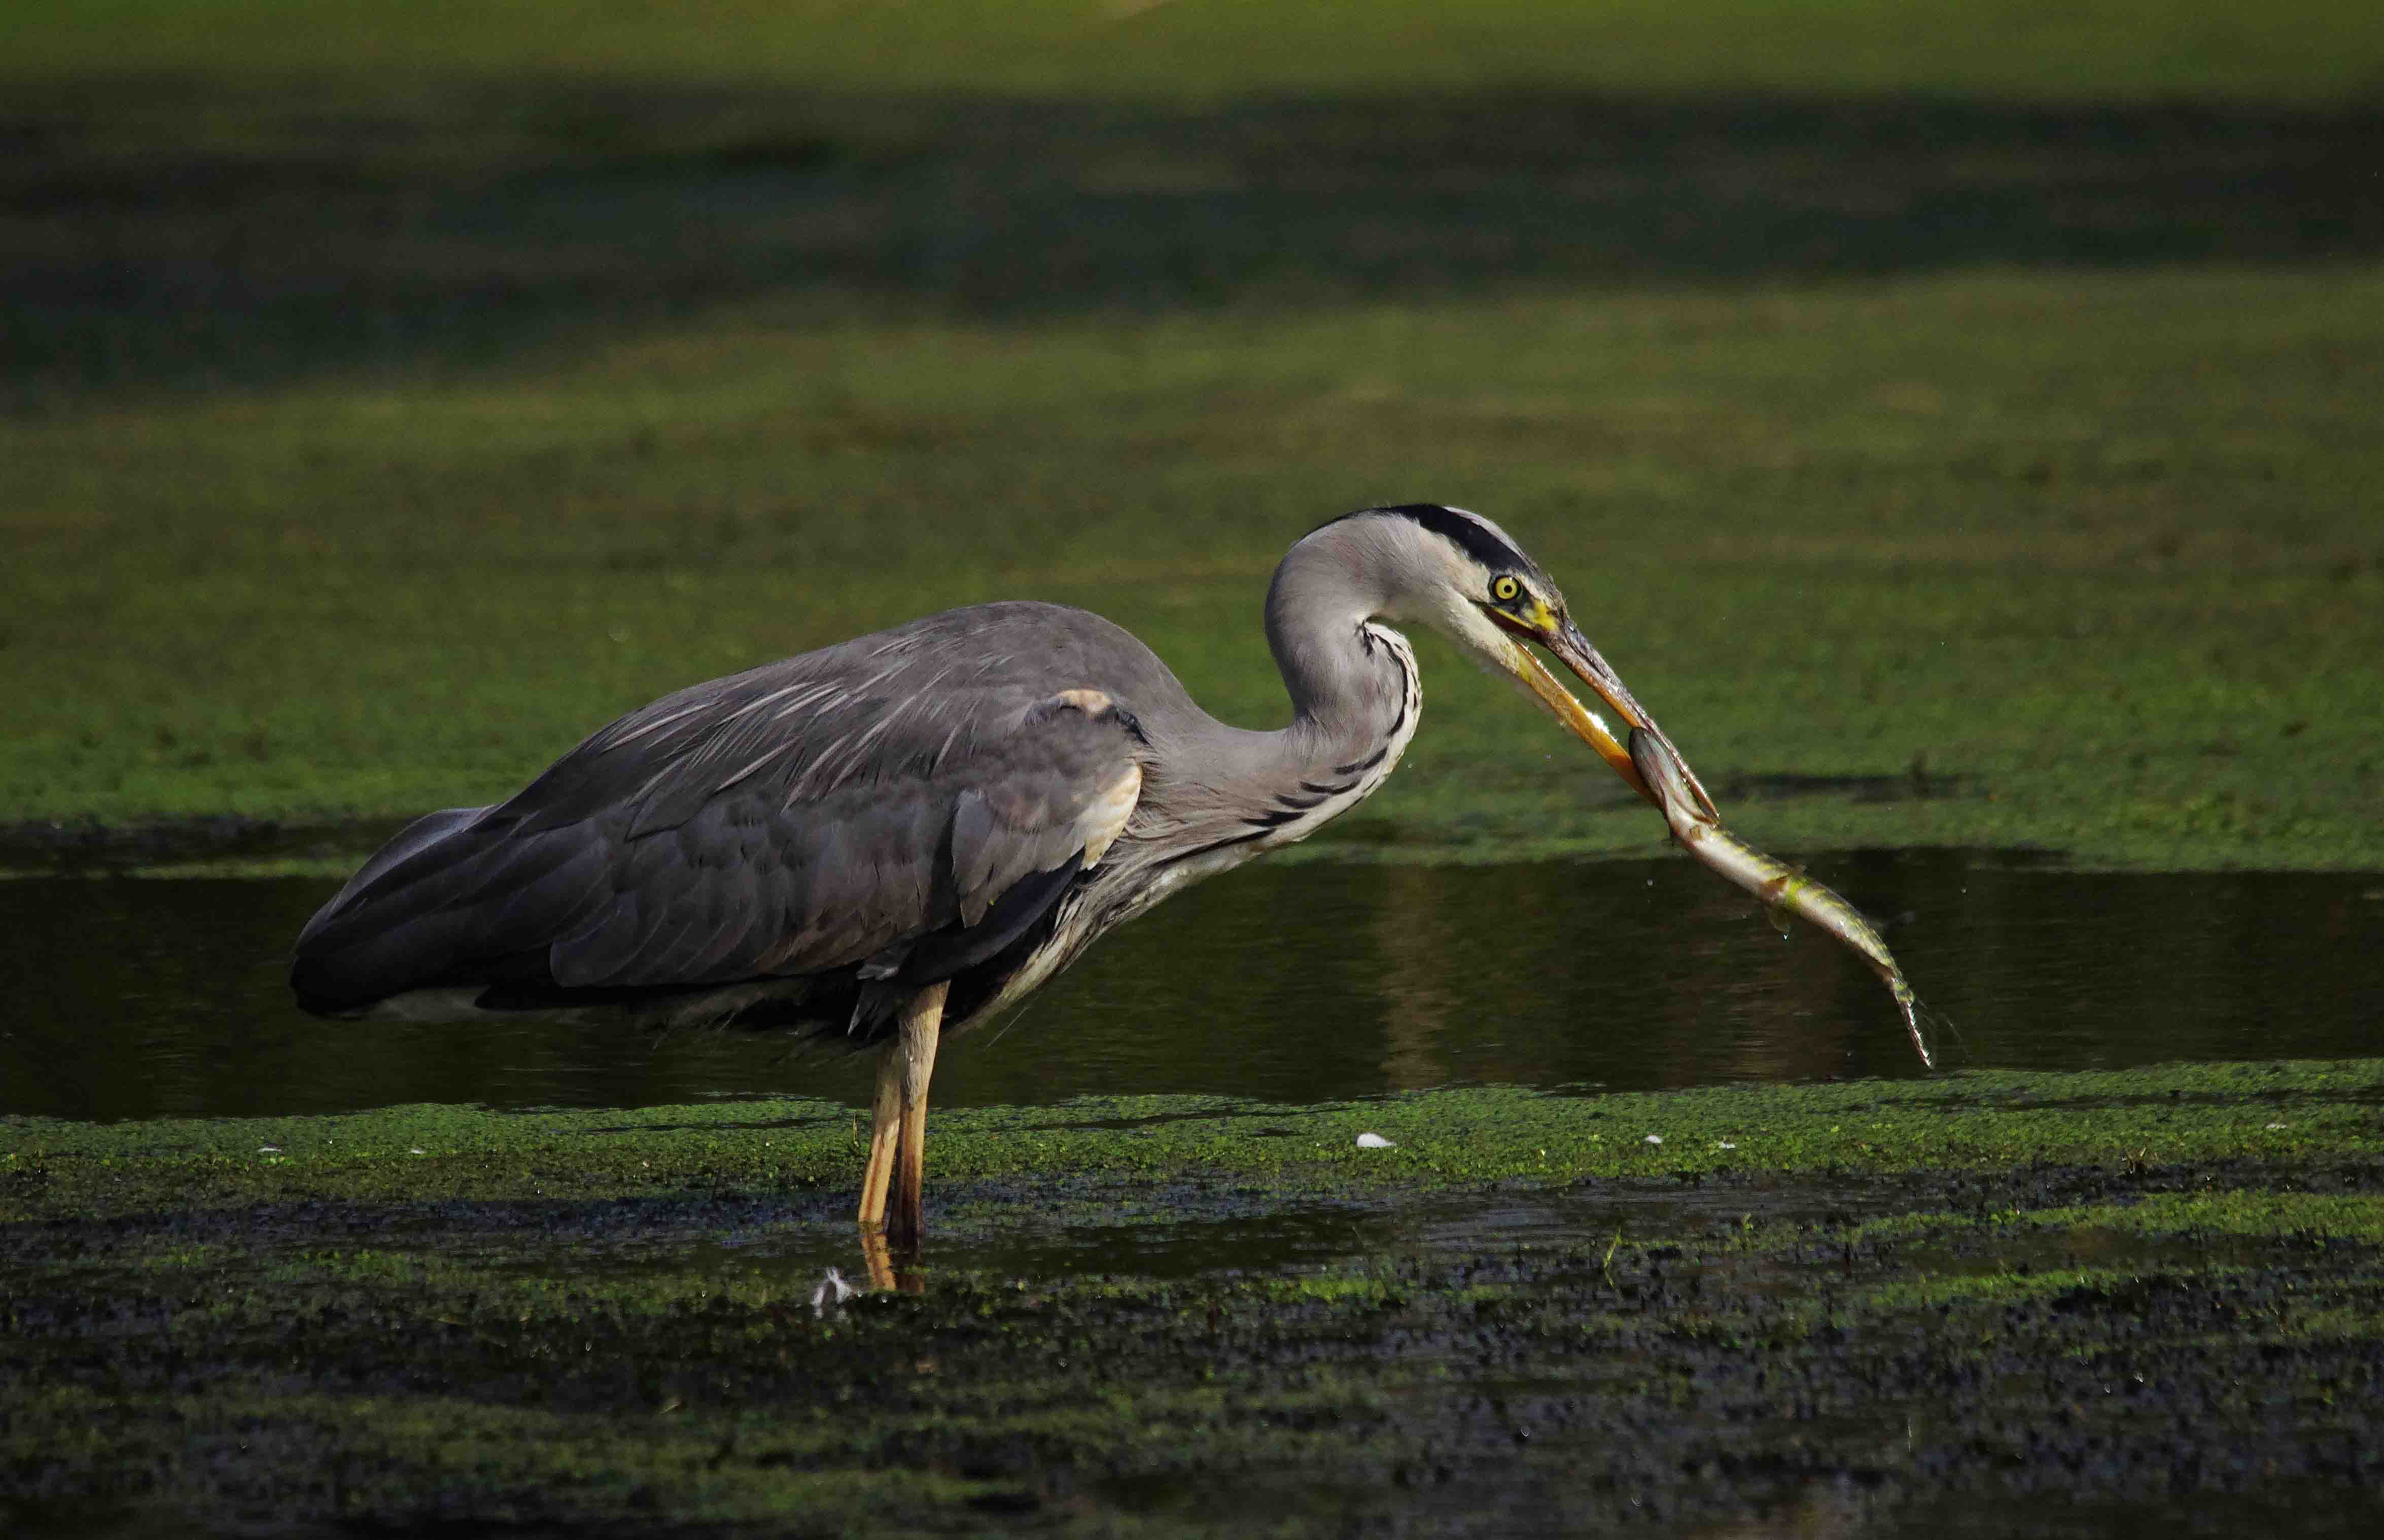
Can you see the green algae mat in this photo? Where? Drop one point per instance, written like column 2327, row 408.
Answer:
column 1978, row 1299
column 1984, row 408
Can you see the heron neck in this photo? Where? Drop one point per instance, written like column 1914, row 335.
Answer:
column 1224, row 794
column 1355, row 691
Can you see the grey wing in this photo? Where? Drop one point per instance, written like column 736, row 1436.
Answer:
column 902, row 821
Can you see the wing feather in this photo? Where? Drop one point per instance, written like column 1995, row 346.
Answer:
column 818, row 814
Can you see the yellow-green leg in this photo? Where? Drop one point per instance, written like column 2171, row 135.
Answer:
column 897, row 1139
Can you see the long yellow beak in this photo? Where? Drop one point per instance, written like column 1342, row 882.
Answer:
column 1564, row 639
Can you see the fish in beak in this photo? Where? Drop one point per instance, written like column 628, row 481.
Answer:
column 1567, row 645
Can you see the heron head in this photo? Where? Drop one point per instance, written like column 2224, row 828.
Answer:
column 1461, row 573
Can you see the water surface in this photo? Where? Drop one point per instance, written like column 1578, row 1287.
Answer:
column 165, row 997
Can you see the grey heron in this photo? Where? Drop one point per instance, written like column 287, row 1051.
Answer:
column 892, row 840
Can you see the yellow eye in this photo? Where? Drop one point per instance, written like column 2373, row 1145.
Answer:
column 1504, row 589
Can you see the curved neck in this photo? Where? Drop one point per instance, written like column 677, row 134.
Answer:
column 1356, row 695
column 1351, row 680
column 1218, row 795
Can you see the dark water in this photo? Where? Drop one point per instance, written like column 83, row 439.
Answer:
column 137, row 998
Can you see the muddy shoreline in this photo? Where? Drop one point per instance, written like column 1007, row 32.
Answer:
column 506, row 1342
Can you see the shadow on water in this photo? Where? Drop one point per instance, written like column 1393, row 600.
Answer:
column 158, row 998
column 190, row 232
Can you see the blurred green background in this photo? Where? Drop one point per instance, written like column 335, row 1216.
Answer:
column 1959, row 424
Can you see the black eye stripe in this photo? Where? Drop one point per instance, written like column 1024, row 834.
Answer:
column 1464, row 531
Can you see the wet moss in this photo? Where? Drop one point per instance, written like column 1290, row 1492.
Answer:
column 1093, row 1150
column 2131, row 1285
column 2320, row 1217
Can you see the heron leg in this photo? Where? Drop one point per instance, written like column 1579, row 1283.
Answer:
column 898, row 1137
column 879, row 1261
column 906, row 1227
column 885, row 1134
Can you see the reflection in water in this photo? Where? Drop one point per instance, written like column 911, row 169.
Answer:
column 1304, row 983
column 1417, row 989
column 1202, row 1233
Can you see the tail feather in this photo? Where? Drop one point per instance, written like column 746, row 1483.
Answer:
column 355, row 948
